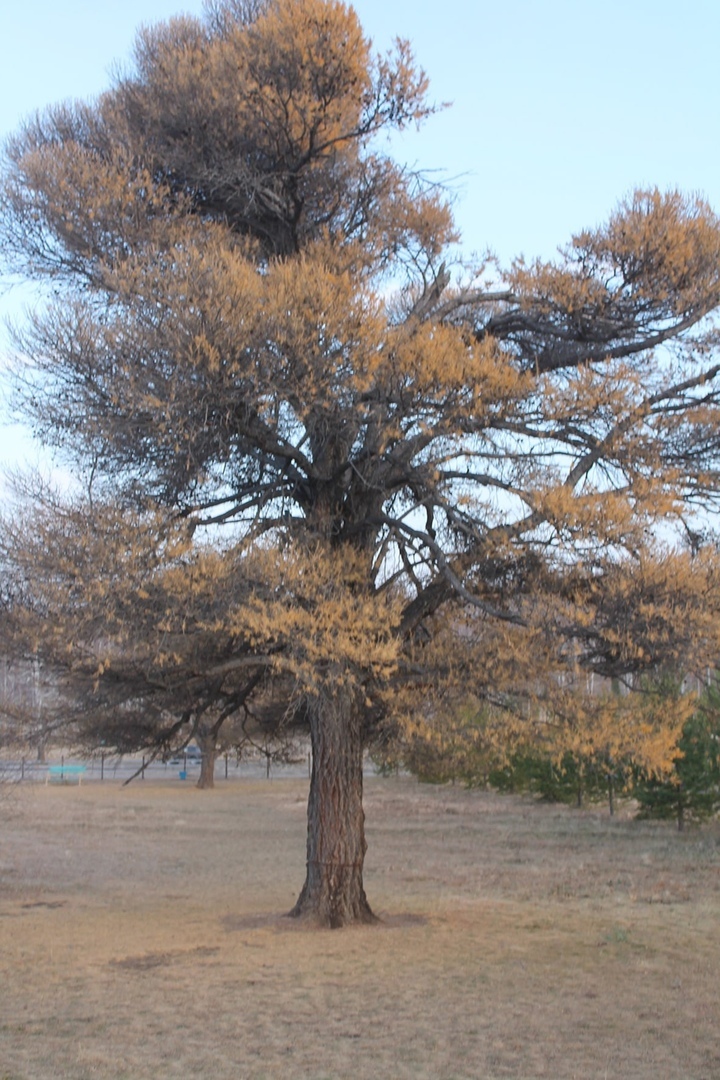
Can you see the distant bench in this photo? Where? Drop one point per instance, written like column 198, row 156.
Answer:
column 59, row 772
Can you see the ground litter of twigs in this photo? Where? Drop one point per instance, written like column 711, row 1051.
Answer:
column 142, row 936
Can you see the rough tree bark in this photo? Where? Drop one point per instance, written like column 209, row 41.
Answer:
column 207, row 743
column 333, row 893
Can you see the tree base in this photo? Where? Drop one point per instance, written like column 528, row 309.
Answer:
column 336, row 900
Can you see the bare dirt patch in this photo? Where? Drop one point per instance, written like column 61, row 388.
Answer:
column 142, row 935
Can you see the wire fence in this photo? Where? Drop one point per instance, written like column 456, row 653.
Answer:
column 183, row 768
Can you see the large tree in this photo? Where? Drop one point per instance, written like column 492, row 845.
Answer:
column 311, row 455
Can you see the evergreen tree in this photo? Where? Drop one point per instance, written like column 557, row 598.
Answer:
column 691, row 791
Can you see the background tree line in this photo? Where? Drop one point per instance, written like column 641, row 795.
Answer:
column 666, row 759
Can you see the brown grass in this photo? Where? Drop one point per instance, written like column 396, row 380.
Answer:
column 141, row 936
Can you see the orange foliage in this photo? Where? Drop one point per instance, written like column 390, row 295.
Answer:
column 310, row 454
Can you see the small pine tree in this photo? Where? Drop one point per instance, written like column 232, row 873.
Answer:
column 692, row 790
column 570, row 780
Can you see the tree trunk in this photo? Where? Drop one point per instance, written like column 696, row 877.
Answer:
column 333, row 893
column 207, row 744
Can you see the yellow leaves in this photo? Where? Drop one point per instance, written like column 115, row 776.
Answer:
column 601, row 519
column 432, row 357
column 205, row 353
column 325, row 331
column 655, row 613
column 660, row 251
column 547, row 289
column 661, row 606
column 648, row 277
column 434, row 361
column 307, row 612
column 642, row 725
column 609, row 396
column 314, row 610
column 308, row 60
column 289, row 85
column 667, row 246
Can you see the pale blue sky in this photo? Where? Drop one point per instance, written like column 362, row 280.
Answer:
column 560, row 107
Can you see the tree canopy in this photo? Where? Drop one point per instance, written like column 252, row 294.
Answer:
column 315, row 453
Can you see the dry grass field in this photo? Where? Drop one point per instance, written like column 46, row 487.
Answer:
column 142, row 936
